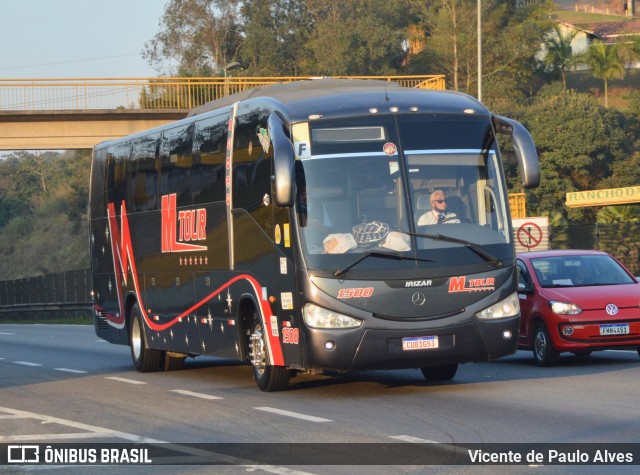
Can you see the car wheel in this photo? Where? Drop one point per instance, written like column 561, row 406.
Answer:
column 266, row 376
column 144, row 358
column 440, row 373
column 543, row 352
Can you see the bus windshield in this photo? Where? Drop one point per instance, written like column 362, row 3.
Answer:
column 413, row 192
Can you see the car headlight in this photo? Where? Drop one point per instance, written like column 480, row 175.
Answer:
column 564, row 308
column 509, row 307
column 318, row 317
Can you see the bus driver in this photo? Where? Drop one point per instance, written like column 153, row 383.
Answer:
column 438, row 213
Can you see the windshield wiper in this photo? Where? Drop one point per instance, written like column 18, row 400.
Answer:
column 470, row 245
column 373, row 252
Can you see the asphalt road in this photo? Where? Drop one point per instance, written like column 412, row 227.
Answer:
column 62, row 384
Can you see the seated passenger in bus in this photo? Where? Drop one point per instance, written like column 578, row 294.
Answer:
column 438, row 213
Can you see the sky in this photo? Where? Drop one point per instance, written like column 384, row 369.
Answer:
column 77, row 38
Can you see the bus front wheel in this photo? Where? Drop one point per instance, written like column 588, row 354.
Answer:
column 267, row 377
column 440, row 373
column 144, row 358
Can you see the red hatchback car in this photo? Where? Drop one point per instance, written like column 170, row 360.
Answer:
column 576, row 301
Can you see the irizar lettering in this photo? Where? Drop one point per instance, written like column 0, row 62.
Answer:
column 418, row 283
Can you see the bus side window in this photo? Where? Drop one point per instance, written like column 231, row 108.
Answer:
column 143, row 185
column 251, row 163
column 117, row 168
column 207, row 178
column 176, row 159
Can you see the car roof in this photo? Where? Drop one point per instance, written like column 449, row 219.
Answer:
column 561, row 252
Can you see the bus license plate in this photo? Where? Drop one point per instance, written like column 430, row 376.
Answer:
column 614, row 329
column 419, row 343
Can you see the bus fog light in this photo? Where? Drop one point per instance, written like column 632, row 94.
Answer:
column 329, row 345
column 507, row 334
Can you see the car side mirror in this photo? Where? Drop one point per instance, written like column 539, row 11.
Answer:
column 524, row 288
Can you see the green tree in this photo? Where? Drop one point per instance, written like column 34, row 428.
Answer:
column 274, row 35
column 43, row 229
column 196, row 37
column 511, row 36
column 606, row 63
column 559, row 57
column 359, row 37
column 580, row 145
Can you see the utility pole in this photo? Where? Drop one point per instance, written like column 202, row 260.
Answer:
column 479, row 50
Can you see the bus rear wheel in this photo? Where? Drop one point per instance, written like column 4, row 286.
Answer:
column 440, row 373
column 144, row 358
column 267, row 377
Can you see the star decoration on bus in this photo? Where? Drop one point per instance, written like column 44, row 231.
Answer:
column 229, row 299
column 209, row 318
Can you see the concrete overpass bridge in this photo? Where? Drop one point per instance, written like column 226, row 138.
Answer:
column 66, row 114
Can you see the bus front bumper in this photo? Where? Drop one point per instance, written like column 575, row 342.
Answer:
column 368, row 349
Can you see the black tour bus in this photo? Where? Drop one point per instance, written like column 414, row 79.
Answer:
column 281, row 227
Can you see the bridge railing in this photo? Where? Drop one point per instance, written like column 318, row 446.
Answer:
column 150, row 93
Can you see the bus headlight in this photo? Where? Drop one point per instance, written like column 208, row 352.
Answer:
column 509, row 307
column 318, row 317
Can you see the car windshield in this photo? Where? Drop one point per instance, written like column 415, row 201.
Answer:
column 579, row 271
column 426, row 189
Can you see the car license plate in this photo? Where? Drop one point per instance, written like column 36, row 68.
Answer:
column 419, row 343
column 614, row 329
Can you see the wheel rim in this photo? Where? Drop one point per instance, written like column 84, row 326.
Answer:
column 258, row 353
column 136, row 339
column 540, row 344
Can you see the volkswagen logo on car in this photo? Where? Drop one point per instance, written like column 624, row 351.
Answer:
column 612, row 309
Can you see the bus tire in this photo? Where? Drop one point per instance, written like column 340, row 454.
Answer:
column 267, row 377
column 440, row 373
column 144, row 358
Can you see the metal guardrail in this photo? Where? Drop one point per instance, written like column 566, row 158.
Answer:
column 64, row 292
column 151, row 93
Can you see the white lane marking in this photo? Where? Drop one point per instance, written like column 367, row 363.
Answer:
column 6, row 333
column 293, row 414
column 191, row 393
column 125, row 380
column 69, row 370
column 413, row 440
column 27, row 363
column 279, row 470
column 95, row 431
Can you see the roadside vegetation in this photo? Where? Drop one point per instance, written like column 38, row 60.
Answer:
column 582, row 143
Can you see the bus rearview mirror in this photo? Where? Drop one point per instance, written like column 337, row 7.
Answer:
column 524, row 148
column 283, row 161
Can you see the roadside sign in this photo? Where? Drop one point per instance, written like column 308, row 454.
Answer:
column 531, row 234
